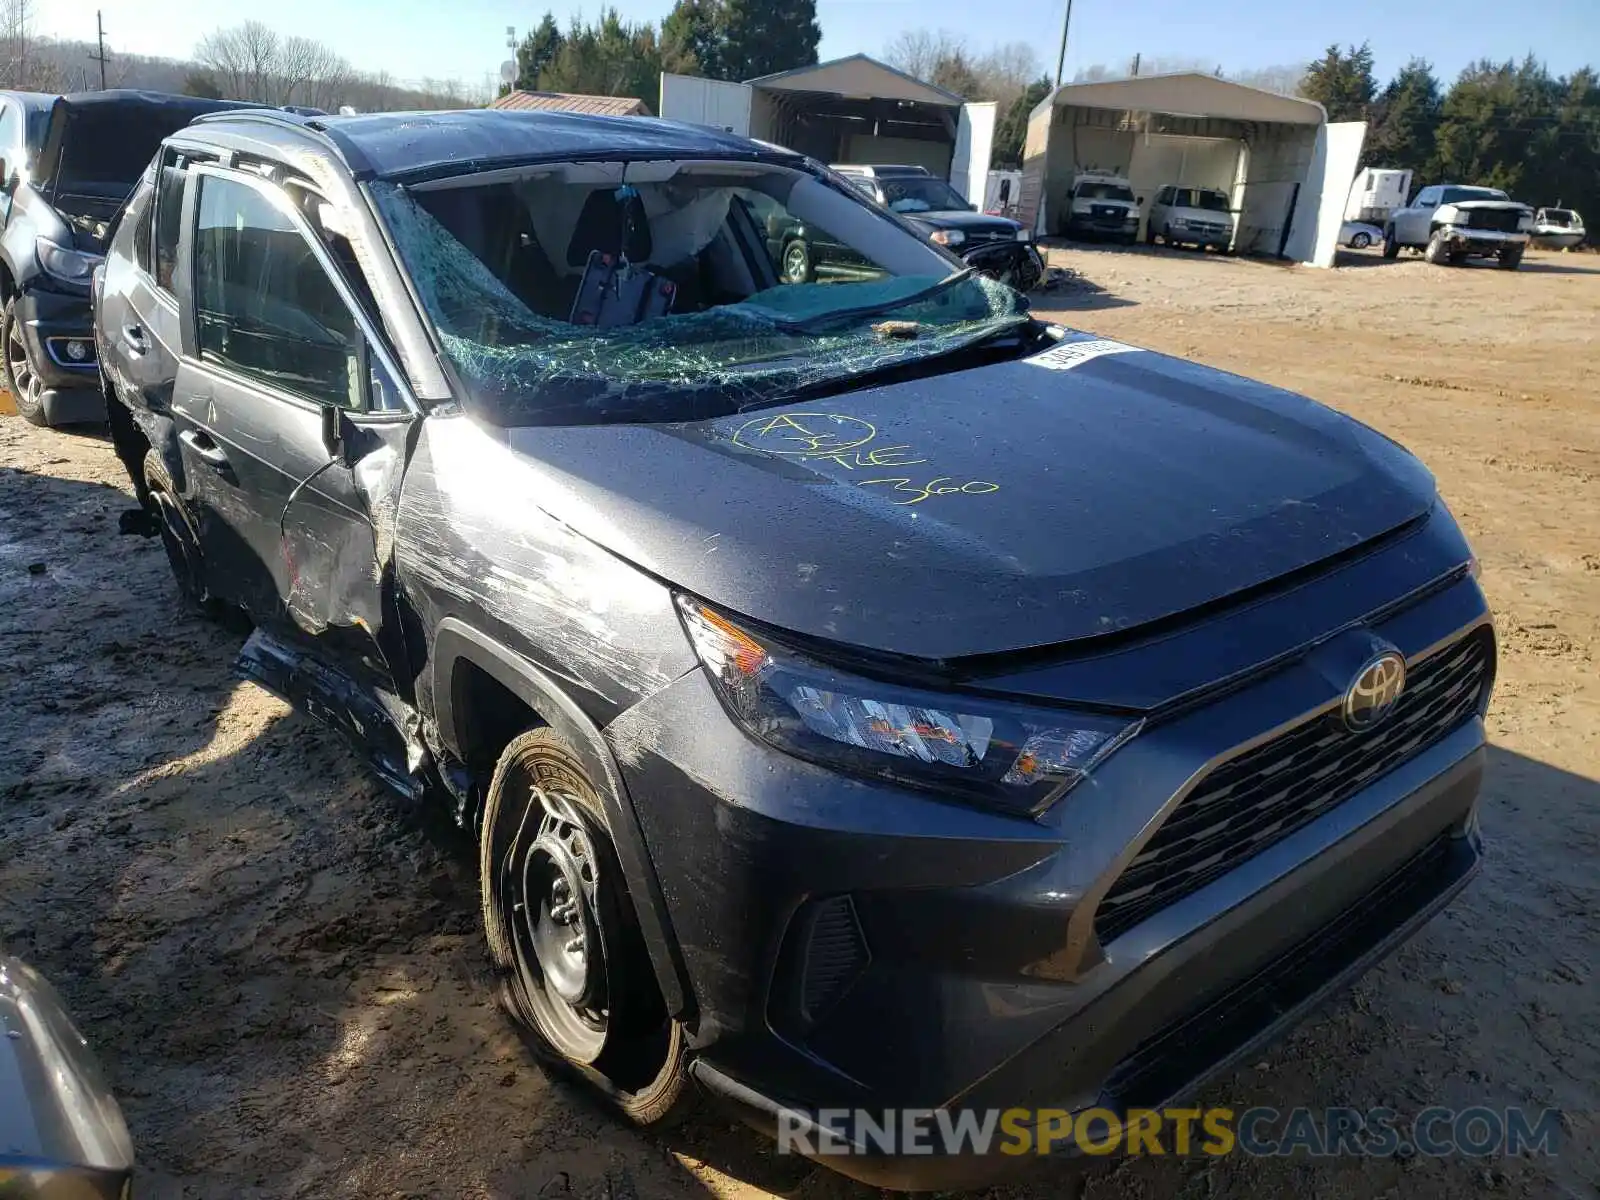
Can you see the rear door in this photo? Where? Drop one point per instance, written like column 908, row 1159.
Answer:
column 276, row 341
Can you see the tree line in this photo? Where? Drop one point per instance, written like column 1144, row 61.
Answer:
column 718, row 39
column 1510, row 125
column 247, row 62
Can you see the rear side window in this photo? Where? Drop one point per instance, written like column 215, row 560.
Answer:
column 171, row 172
column 264, row 305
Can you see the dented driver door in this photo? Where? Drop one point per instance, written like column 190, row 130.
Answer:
column 294, row 428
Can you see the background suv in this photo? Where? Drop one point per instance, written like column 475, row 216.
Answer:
column 838, row 727
column 66, row 165
column 995, row 245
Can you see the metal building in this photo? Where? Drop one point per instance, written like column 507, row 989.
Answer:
column 853, row 109
column 1286, row 169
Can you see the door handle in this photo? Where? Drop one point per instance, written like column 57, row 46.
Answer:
column 202, row 445
column 133, row 338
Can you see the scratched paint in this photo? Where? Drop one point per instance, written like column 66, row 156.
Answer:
column 852, row 443
column 475, row 535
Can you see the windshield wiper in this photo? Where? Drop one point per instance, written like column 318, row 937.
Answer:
column 809, row 324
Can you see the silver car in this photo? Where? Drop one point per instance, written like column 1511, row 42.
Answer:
column 1187, row 216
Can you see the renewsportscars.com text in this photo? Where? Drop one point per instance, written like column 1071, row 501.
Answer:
column 1330, row 1132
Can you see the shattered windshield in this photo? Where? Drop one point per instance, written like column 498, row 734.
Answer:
column 567, row 294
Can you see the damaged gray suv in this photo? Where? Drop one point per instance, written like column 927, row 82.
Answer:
column 864, row 694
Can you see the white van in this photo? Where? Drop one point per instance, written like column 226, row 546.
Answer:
column 1188, row 216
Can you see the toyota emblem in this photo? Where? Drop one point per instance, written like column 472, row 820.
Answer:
column 1375, row 691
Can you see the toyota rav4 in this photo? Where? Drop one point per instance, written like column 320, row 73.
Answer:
column 864, row 694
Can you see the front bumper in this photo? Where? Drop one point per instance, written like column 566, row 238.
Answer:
column 1203, row 237
column 49, row 322
column 1103, row 225
column 1465, row 240
column 852, row 945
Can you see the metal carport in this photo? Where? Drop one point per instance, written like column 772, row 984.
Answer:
column 853, row 109
column 1276, row 156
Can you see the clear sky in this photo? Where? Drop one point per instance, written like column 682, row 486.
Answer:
column 463, row 39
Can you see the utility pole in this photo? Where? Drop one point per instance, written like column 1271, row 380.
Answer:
column 100, row 27
column 1061, row 59
column 1136, row 57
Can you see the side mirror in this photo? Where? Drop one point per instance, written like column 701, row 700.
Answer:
column 1139, row 200
column 5, row 175
column 333, row 431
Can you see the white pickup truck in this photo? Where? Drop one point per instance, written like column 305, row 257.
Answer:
column 1450, row 223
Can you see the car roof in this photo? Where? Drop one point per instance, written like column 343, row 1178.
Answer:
column 416, row 145
column 31, row 100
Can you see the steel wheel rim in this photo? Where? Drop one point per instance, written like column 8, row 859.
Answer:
column 22, row 375
column 795, row 263
column 550, row 891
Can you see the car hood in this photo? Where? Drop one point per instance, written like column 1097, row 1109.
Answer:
column 1082, row 492
column 967, row 222
column 1471, row 205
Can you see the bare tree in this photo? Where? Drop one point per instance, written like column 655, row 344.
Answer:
column 245, row 61
column 21, row 64
column 919, row 52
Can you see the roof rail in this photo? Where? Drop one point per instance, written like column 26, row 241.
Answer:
column 360, row 166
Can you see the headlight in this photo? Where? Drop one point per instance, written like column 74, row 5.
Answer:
column 1004, row 755
column 1022, row 236
column 947, row 237
column 73, row 266
column 1524, row 222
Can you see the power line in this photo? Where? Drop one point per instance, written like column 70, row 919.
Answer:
column 101, row 57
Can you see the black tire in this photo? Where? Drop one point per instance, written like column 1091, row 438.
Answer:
column 551, row 882
column 22, row 380
column 1149, row 234
column 1391, row 248
column 1511, row 258
column 1361, row 241
column 797, row 266
column 1438, row 251
column 178, row 538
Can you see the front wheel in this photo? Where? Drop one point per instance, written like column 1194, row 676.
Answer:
column 1391, row 247
column 22, row 381
column 561, row 933
column 1510, row 258
column 1438, row 251
column 1361, row 241
column 797, row 263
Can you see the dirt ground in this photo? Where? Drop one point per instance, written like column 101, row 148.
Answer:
column 281, row 967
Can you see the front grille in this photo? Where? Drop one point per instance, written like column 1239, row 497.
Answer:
column 1502, row 220
column 1169, row 1061
column 1264, row 795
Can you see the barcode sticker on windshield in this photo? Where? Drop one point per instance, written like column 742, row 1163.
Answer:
column 1070, row 354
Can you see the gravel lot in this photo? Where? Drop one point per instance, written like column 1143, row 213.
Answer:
column 281, row 966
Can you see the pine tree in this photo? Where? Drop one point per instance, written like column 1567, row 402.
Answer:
column 1342, row 83
column 691, row 43
column 1011, row 131
column 537, row 52
column 763, row 37
column 1407, row 117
